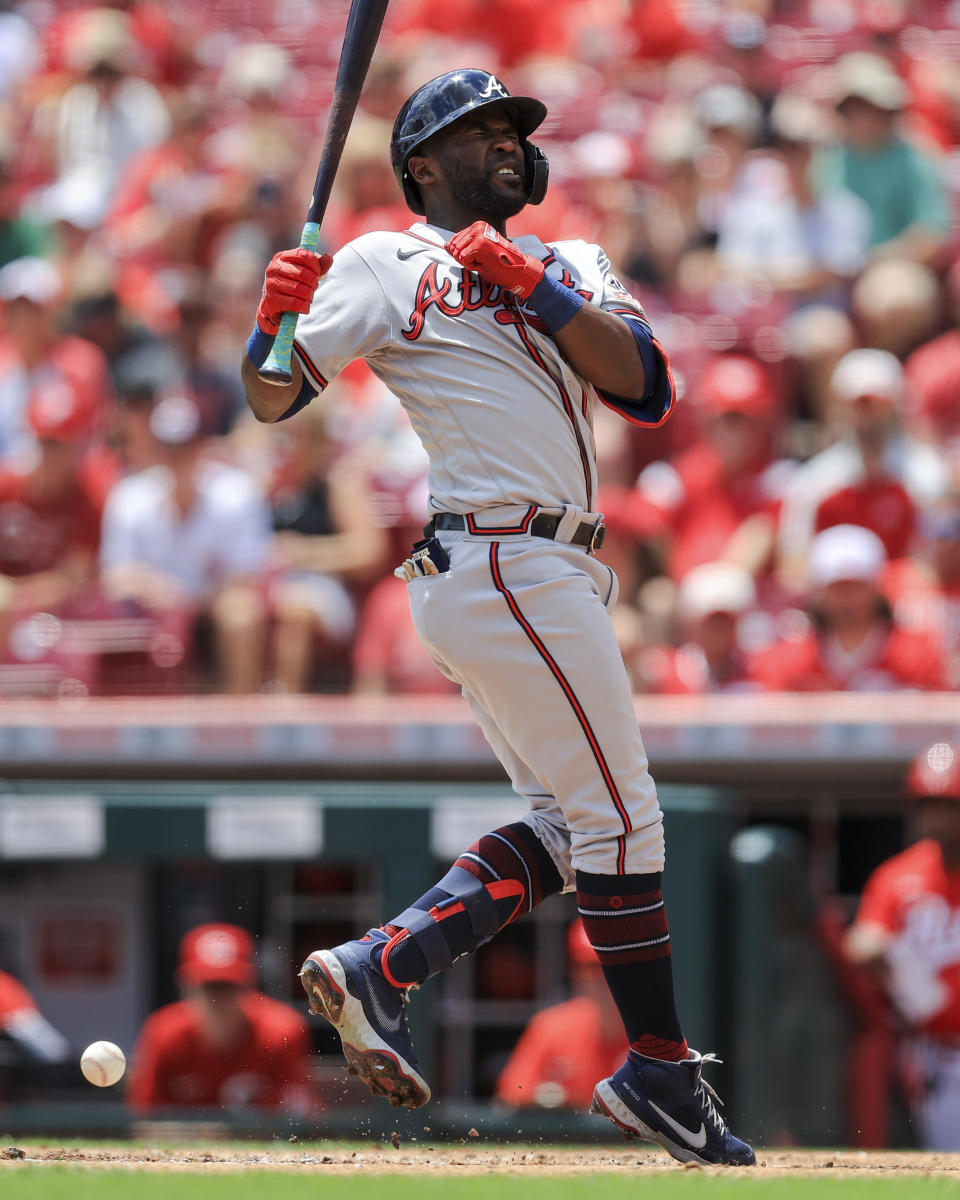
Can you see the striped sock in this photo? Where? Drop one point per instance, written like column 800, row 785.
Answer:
column 518, row 873
column 625, row 920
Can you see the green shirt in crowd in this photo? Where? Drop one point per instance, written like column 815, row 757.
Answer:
column 899, row 184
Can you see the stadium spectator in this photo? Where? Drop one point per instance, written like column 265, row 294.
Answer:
column 20, row 236
column 110, row 114
column 853, row 643
column 905, row 929
column 876, row 160
column 32, row 349
column 933, row 379
column 49, row 515
column 566, row 1048
column 711, row 601
column 325, row 540
column 224, row 1045
column 779, row 229
column 924, row 589
column 718, row 498
column 874, row 474
column 189, row 539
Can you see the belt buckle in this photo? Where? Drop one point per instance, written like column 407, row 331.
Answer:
column 596, row 537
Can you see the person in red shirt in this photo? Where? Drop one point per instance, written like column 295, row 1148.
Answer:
column 908, row 928
column 710, row 603
column 565, row 1048
column 853, row 643
column 719, row 497
column 22, row 1022
column 224, row 1045
column 924, row 589
column 33, row 349
column 49, row 518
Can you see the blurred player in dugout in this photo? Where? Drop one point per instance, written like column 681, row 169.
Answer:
column 224, row 1045
column 566, row 1048
column 908, row 929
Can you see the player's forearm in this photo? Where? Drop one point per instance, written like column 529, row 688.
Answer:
column 269, row 401
column 602, row 349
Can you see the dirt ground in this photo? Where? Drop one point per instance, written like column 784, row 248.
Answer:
column 467, row 1159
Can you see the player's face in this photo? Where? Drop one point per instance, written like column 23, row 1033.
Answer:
column 480, row 165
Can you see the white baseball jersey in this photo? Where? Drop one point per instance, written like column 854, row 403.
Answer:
column 504, row 419
column 520, row 622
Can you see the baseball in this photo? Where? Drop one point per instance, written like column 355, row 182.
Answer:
column 103, row 1064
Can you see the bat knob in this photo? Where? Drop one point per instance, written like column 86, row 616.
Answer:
column 275, row 375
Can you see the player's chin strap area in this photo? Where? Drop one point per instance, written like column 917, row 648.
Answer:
column 487, row 907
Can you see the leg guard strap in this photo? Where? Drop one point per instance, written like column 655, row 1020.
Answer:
column 476, row 899
column 427, row 932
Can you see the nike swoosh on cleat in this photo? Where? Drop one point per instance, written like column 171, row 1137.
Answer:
column 697, row 1140
column 403, row 255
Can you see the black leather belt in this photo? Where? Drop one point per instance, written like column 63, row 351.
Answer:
column 543, row 525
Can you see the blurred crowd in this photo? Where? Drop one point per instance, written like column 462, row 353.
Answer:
column 775, row 179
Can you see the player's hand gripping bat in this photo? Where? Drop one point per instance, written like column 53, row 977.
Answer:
column 359, row 42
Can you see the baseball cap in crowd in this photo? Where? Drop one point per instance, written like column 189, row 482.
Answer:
column 845, row 553
column 175, row 421
column 30, row 278
column 797, row 119
column 735, row 383
column 935, row 772
column 217, row 954
column 57, row 412
column 726, row 106
column 864, row 76
column 868, row 373
column 715, row 587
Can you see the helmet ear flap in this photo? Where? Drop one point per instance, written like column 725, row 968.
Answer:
column 538, row 172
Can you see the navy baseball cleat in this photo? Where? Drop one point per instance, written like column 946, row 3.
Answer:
column 669, row 1103
column 346, row 986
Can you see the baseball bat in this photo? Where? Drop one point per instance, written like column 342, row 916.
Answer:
column 359, row 41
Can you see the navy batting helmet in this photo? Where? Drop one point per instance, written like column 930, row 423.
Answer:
column 444, row 100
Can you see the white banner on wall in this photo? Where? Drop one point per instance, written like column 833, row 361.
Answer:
column 64, row 826
column 260, row 827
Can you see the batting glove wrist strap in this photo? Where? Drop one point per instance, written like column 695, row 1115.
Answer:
column 259, row 345
column 555, row 304
column 288, row 286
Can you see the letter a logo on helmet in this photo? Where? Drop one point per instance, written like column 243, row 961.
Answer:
column 441, row 101
column 494, row 88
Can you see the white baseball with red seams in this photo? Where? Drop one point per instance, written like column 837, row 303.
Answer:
column 521, row 622
column 103, row 1064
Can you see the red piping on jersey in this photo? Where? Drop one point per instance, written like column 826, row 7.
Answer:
column 571, row 696
column 473, row 527
column 310, row 366
column 567, row 406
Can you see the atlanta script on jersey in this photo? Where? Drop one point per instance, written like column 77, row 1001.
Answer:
column 504, row 419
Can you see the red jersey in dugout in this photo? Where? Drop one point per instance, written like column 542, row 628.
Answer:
column 175, row 1065
column 560, row 1056
column 913, row 897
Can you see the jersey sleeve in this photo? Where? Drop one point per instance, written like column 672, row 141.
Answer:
column 657, row 403
column 349, row 319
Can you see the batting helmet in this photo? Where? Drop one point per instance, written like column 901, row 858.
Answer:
column 444, row 100
column 935, row 772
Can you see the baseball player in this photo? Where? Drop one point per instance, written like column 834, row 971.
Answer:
column 908, row 927
column 499, row 350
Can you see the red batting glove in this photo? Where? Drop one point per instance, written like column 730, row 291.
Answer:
column 291, row 279
column 495, row 258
